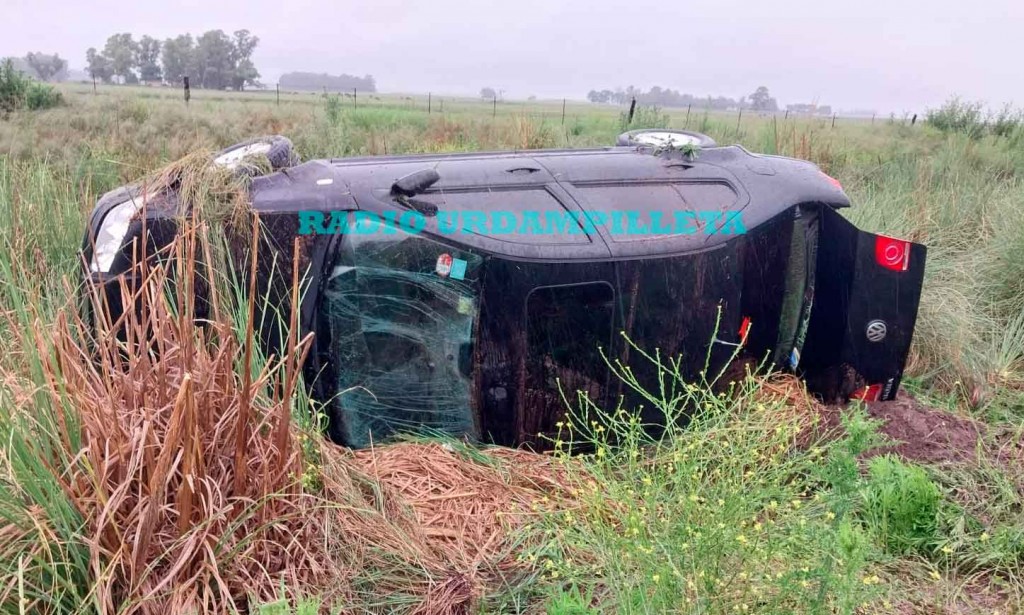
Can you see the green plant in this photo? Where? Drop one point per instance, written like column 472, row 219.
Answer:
column 644, row 116
column 569, row 601
column 901, row 505
column 333, row 108
column 20, row 92
column 958, row 116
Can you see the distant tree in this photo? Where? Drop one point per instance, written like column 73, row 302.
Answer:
column 179, row 58
column 245, row 72
column 149, row 59
column 98, row 65
column 761, row 100
column 47, row 67
column 123, row 53
column 488, row 93
column 215, row 60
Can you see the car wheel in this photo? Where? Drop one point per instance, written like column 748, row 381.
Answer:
column 277, row 149
column 664, row 137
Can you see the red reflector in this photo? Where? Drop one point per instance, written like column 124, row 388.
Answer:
column 832, row 180
column 869, row 393
column 892, row 253
column 744, row 329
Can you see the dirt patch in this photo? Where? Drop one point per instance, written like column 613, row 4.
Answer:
column 926, row 434
column 919, row 433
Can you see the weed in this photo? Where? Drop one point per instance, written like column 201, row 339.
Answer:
column 901, row 505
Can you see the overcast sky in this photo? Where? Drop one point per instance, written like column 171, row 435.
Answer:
column 888, row 55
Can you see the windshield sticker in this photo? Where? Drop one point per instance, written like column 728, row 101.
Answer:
column 458, row 270
column 444, row 265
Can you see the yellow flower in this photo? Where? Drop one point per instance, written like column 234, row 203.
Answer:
column 831, row 515
column 935, row 575
column 947, row 549
column 600, row 451
column 984, row 536
column 656, row 578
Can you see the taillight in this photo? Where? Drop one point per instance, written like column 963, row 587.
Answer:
column 872, row 392
column 892, row 253
column 832, row 180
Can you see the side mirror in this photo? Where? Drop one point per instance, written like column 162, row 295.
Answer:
column 415, row 183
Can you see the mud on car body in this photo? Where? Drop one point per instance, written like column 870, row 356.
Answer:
column 480, row 333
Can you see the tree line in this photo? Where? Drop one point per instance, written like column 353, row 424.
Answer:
column 41, row 66
column 212, row 60
column 760, row 99
column 298, row 80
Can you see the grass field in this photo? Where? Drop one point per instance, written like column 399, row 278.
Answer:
column 756, row 507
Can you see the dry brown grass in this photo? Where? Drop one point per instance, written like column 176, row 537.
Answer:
column 199, row 493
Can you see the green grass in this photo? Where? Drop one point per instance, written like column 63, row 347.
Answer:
column 725, row 516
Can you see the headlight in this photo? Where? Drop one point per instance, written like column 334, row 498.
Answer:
column 112, row 232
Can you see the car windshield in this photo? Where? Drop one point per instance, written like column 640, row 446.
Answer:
column 399, row 312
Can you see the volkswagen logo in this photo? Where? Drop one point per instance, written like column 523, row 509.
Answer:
column 876, row 331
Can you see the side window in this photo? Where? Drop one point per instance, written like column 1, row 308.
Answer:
column 399, row 313
column 567, row 327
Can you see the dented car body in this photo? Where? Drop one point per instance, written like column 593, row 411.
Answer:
column 487, row 332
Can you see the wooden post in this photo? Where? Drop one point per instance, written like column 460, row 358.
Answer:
column 442, row 105
column 355, row 98
column 787, row 115
column 94, row 85
column 494, row 106
column 872, row 119
column 833, row 120
column 632, row 110
column 563, row 112
column 687, row 123
column 913, row 120
column 278, row 89
column 738, row 118
column 188, row 92
column 428, row 103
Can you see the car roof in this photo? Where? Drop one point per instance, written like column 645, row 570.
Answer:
column 637, row 186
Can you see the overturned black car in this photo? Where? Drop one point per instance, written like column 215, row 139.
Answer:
column 473, row 293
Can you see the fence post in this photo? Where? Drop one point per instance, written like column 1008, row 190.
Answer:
column 833, row 120
column 787, row 115
column 94, row 85
column 494, row 106
column 563, row 112
column 278, row 89
column 355, row 99
column 914, row 120
column 872, row 119
column 188, row 92
column 632, row 110
column 428, row 103
column 738, row 118
column 687, row 123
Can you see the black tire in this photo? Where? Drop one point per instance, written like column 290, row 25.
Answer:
column 281, row 154
column 631, row 138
